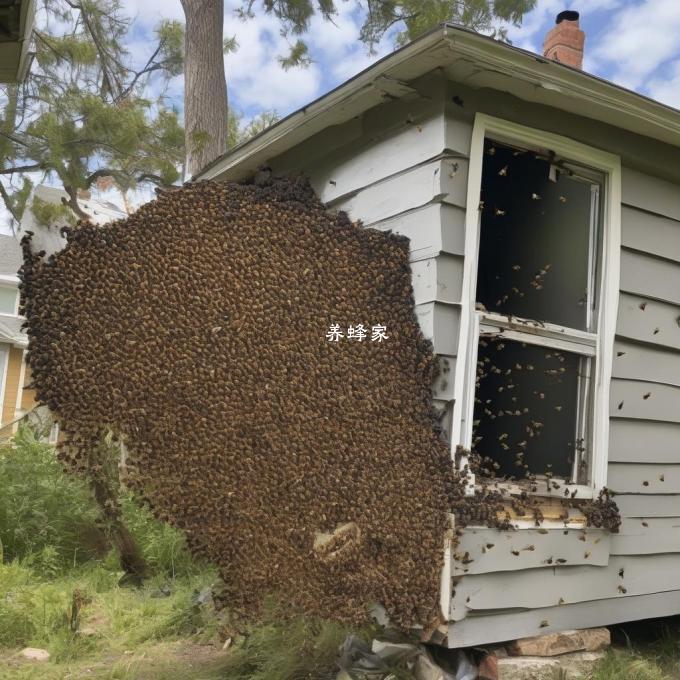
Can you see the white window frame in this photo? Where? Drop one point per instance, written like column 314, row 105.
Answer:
column 600, row 345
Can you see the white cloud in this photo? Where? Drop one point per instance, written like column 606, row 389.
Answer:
column 541, row 19
column 254, row 75
column 638, row 39
column 150, row 12
column 666, row 88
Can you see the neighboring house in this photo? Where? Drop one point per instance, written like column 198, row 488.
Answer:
column 15, row 399
column 47, row 237
column 543, row 209
column 16, row 25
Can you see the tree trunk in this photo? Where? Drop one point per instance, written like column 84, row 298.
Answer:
column 205, row 85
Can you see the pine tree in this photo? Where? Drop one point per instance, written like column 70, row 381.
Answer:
column 84, row 111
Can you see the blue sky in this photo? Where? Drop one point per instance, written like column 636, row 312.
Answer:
column 635, row 43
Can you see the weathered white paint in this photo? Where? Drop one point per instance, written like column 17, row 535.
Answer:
column 431, row 229
column 439, row 323
column 644, row 478
column 635, row 361
column 649, row 321
column 646, row 400
column 490, row 550
column 510, row 625
column 437, row 278
column 650, row 233
column 650, row 193
column 649, row 276
column 431, row 182
column 623, row 576
column 636, row 505
column 647, row 536
column 632, row 441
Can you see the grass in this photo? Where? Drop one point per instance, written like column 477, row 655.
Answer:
column 130, row 628
column 145, row 633
column 59, row 591
column 644, row 650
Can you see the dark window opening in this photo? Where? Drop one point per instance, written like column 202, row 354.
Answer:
column 526, row 415
column 536, row 239
column 538, row 261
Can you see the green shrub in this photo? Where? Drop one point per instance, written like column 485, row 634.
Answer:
column 287, row 648
column 46, row 516
column 163, row 547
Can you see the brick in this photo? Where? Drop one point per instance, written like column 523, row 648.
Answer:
column 564, row 642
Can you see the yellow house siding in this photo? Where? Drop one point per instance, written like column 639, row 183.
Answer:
column 12, row 379
column 27, row 395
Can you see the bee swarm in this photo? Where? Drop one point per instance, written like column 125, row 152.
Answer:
column 194, row 330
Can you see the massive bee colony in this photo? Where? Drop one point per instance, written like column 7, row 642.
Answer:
column 194, row 331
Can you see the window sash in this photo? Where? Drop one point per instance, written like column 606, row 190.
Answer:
column 607, row 165
column 549, row 336
column 538, row 333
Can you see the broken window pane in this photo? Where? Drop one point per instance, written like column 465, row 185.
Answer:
column 527, row 417
column 535, row 241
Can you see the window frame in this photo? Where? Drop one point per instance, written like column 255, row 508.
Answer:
column 600, row 345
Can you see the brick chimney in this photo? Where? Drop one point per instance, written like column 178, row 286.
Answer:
column 564, row 43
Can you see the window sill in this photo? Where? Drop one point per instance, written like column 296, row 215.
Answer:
column 544, row 488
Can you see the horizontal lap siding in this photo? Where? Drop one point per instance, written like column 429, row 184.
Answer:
column 484, row 550
column 395, row 170
column 500, row 595
column 624, row 576
column 510, row 625
column 644, row 457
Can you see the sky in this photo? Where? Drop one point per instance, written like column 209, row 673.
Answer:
column 633, row 43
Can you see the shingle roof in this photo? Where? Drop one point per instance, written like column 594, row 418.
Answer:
column 10, row 255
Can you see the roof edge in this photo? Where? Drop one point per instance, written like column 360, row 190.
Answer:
column 657, row 120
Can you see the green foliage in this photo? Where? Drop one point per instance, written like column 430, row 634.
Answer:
column 412, row 17
column 418, row 16
column 40, row 614
column 46, row 517
column 237, row 132
column 47, row 213
column 298, row 56
column 631, row 666
column 82, row 113
column 163, row 547
column 284, row 648
column 50, row 522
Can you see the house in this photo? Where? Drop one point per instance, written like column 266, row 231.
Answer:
column 542, row 206
column 16, row 400
column 16, row 26
column 47, row 235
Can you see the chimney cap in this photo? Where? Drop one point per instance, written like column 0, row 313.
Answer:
column 567, row 15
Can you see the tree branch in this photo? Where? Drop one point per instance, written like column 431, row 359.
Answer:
column 21, row 168
column 8, row 203
column 72, row 202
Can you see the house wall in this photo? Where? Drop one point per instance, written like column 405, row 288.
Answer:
column 634, row 574
column 402, row 166
column 11, row 394
column 395, row 169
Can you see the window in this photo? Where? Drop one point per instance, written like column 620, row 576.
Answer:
column 539, row 308
column 8, row 299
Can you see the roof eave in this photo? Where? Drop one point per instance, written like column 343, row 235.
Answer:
column 607, row 102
